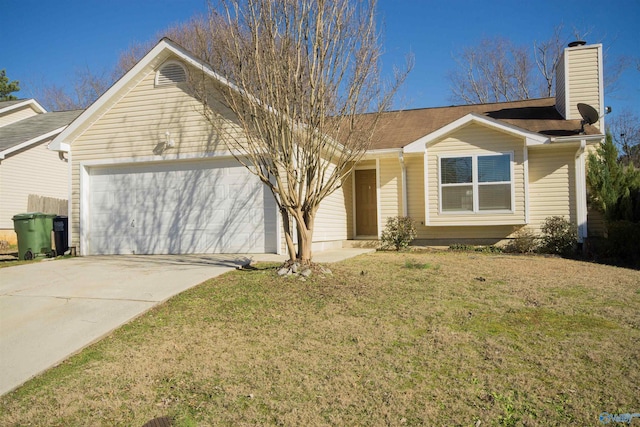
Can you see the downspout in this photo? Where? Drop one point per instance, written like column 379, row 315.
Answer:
column 581, row 192
column 405, row 210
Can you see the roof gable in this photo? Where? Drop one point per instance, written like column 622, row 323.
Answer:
column 8, row 106
column 472, row 118
column 158, row 54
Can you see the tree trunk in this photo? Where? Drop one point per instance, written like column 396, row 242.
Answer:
column 286, row 225
column 304, row 226
column 305, row 239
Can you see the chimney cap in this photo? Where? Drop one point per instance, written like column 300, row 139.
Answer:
column 577, row 43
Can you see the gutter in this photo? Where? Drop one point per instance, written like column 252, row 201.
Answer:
column 578, row 138
column 581, row 191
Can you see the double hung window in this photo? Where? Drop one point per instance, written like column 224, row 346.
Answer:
column 476, row 183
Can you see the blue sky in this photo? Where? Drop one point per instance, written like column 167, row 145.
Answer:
column 46, row 41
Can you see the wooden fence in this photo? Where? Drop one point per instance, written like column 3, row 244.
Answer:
column 47, row 205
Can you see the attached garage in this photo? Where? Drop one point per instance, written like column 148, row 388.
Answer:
column 177, row 207
column 151, row 175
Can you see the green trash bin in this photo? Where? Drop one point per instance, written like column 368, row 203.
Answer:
column 34, row 234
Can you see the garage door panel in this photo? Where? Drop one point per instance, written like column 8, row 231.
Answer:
column 207, row 191
column 102, row 199
column 181, row 207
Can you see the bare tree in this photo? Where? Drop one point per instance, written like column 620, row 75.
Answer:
column 614, row 68
column 547, row 57
column 302, row 73
column 87, row 87
column 493, row 71
column 625, row 130
column 496, row 70
column 197, row 35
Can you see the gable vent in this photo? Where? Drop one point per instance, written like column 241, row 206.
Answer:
column 171, row 73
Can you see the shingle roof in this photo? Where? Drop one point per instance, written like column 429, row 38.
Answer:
column 5, row 104
column 399, row 128
column 32, row 127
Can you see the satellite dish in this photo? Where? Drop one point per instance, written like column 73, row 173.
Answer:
column 589, row 115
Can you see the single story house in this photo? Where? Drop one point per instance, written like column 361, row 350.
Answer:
column 27, row 167
column 149, row 176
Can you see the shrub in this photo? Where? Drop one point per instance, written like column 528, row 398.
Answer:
column 461, row 247
column 559, row 236
column 490, row 249
column 623, row 244
column 524, row 241
column 398, row 232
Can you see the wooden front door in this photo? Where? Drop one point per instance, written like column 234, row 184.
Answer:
column 366, row 203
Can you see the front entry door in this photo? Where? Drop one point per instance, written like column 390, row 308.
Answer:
column 366, row 203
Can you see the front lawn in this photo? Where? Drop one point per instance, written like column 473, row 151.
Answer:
column 434, row 338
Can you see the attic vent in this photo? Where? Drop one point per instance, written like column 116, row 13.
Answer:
column 171, row 73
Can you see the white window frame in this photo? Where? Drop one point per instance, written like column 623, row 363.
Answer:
column 475, row 184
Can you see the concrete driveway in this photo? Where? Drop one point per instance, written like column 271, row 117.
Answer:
column 52, row 309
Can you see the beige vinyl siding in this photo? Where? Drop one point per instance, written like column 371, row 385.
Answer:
column 36, row 170
column 415, row 190
column 478, row 235
column 331, row 219
column 470, row 140
column 552, row 189
column 442, row 235
column 17, row 115
column 583, row 79
column 139, row 122
column 134, row 123
column 366, row 164
column 390, row 178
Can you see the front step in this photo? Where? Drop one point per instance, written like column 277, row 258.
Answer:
column 361, row 243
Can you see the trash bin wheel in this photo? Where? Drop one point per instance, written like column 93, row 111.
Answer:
column 28, row 255
column 52, row 254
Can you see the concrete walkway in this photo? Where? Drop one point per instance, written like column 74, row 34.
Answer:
column 52, row 309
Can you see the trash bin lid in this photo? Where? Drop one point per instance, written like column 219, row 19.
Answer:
column 32, row 215
column 21, row 216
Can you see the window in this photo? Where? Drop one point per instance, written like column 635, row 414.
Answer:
column 478, row 183
column 171, row 73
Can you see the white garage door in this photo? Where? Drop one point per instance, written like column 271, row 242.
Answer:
column 179, row 208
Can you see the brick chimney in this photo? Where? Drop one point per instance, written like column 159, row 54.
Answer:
column 579, row 79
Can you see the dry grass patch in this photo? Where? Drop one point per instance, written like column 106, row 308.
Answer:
column 431, row 338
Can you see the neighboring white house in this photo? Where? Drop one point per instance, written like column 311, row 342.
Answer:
column 27, row 166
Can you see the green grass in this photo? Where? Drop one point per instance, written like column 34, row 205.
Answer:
column 417, row 264
column 13, row 263
column 387, row 339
